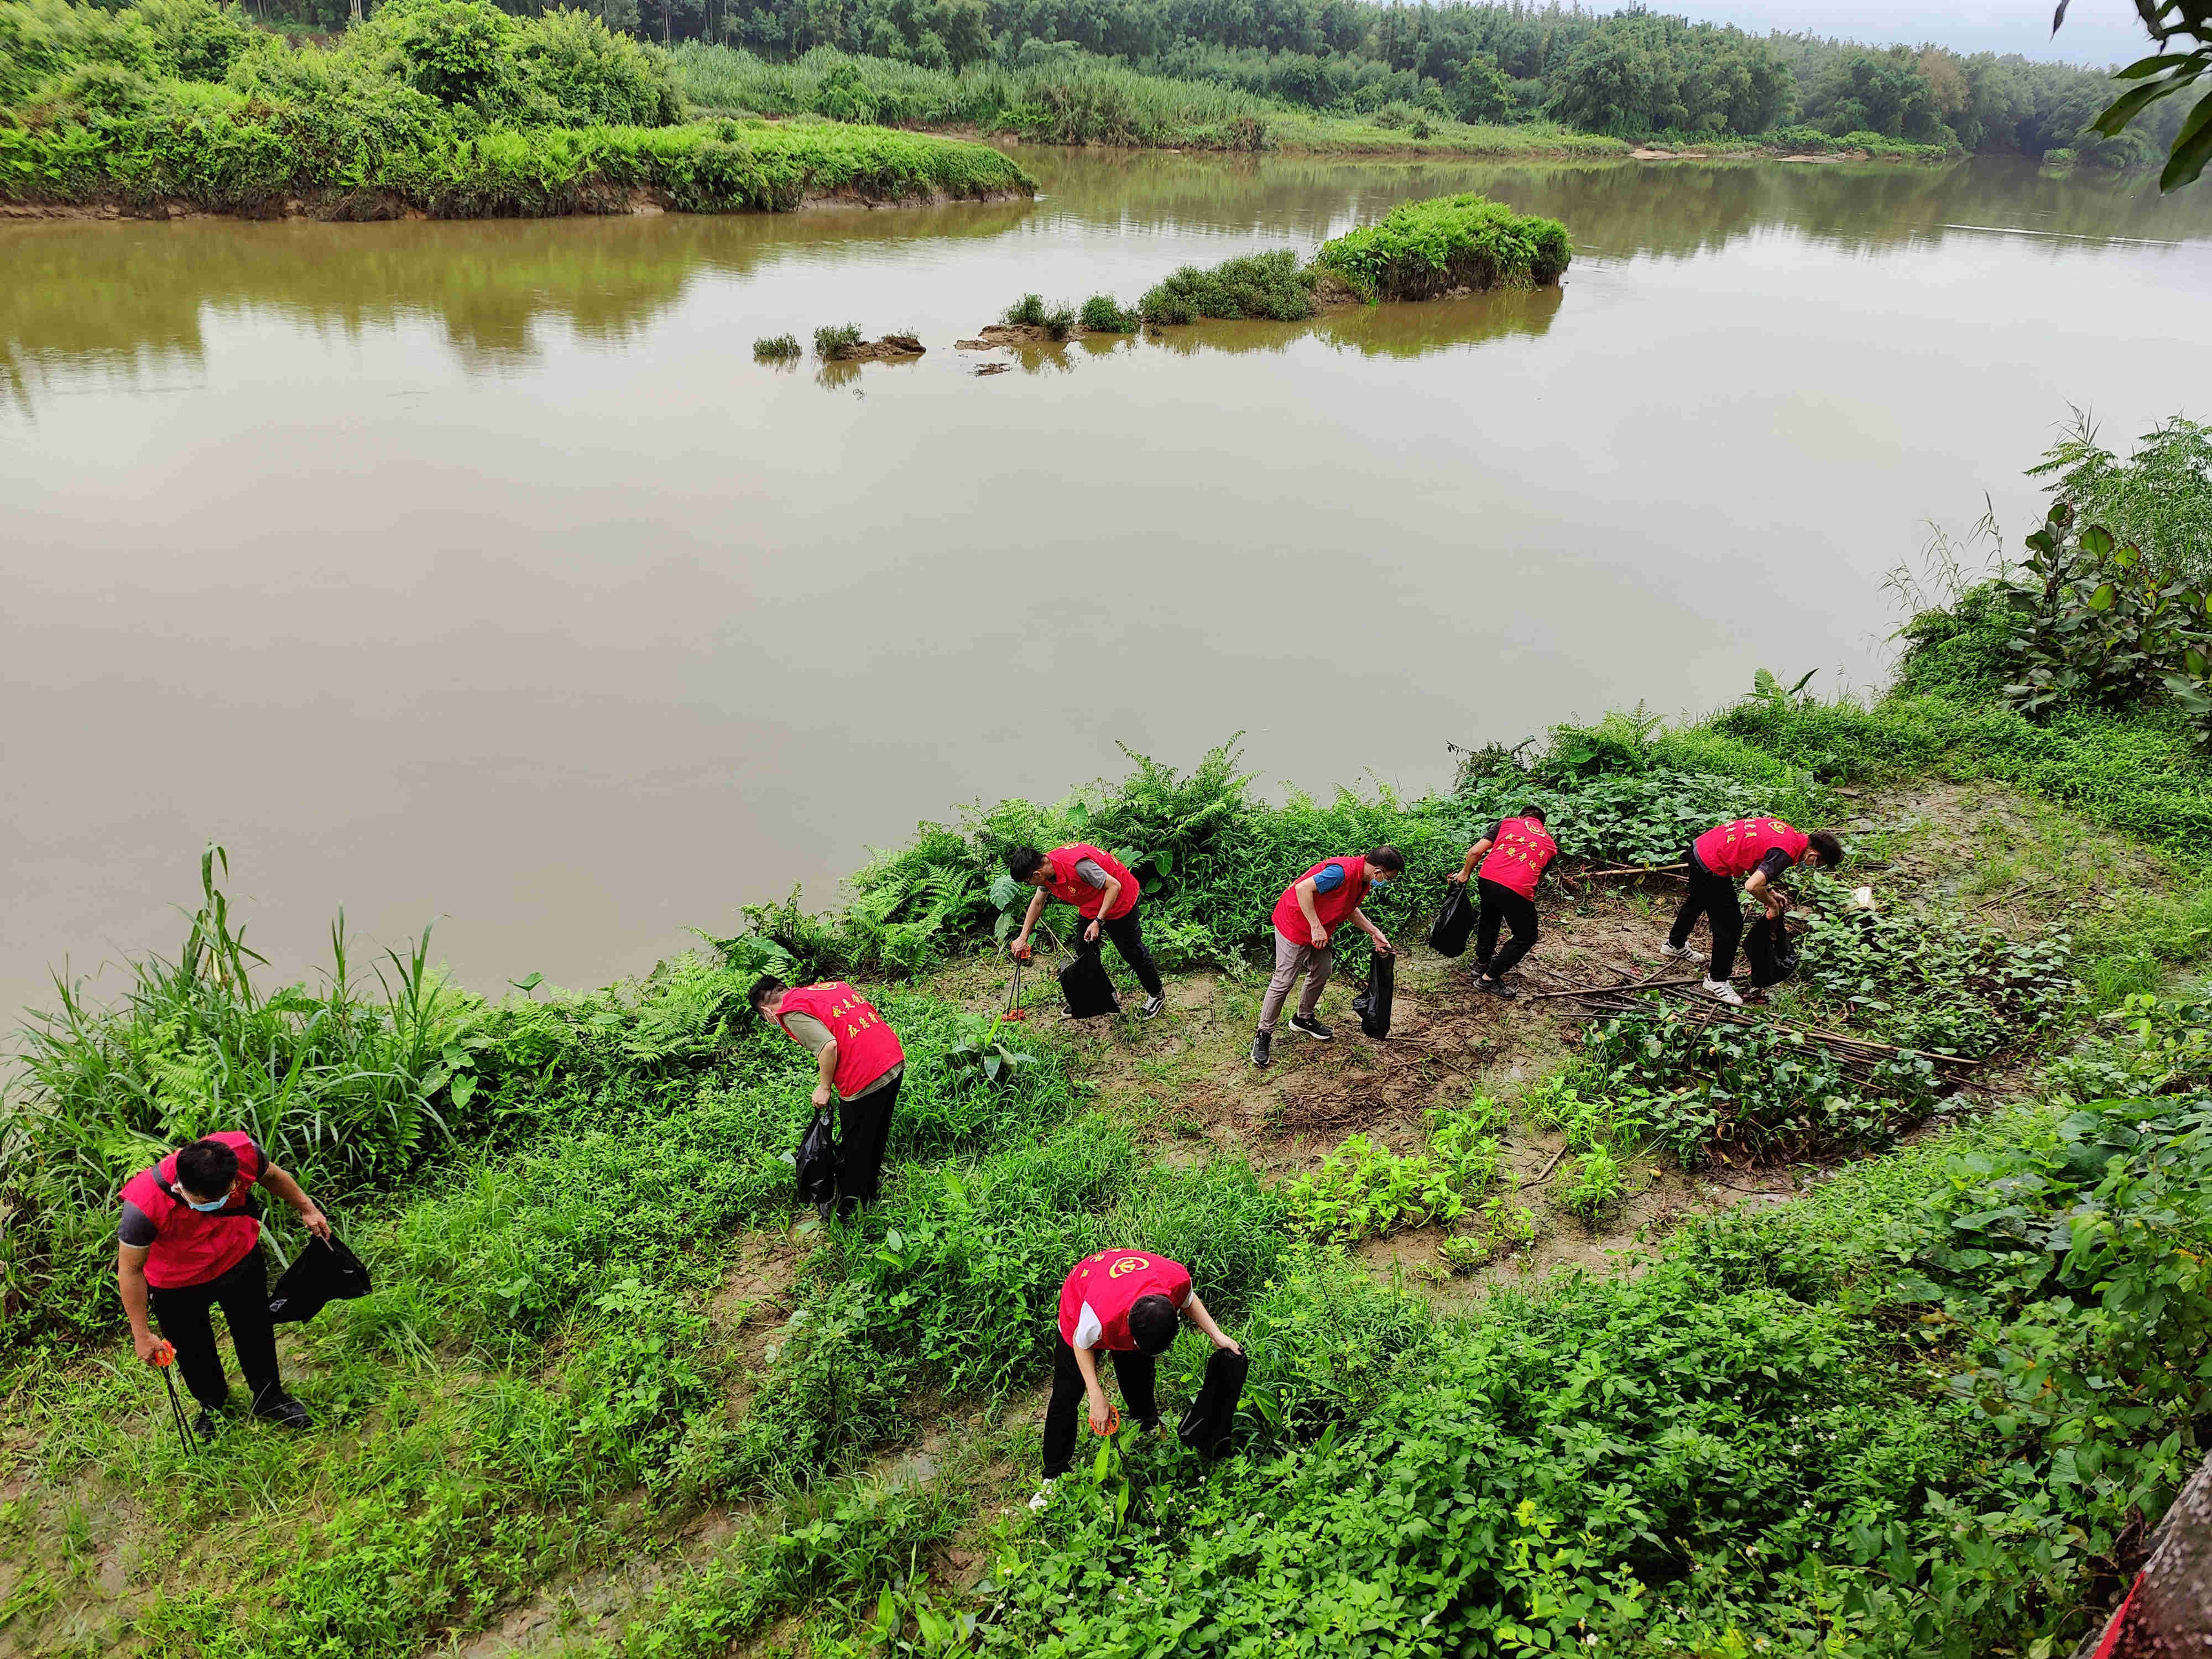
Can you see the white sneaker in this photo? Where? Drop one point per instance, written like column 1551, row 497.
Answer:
column 1043, row 1497
column 1722, row 991
column 1677, row 952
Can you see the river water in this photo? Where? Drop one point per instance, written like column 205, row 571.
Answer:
column 477, row 571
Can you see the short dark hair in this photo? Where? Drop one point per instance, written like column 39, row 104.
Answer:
column 766, row 989
column 1830, row 849
column 1536, row 812
column 1387, row 857
column 1153, row 1322
column 1021, row 862
column 206, row 1167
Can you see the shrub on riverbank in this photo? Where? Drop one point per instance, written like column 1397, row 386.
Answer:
column 1420, row 249
column 447, row 107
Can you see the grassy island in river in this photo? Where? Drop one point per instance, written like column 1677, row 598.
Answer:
column 450, row 108
column 1901, row 1368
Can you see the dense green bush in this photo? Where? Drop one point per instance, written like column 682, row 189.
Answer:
column 449, row 108
column 1272, row 284
column 1419, row 249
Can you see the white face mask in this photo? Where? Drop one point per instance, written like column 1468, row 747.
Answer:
column 207, row 1208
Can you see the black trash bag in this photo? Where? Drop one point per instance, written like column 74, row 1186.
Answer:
column 1373, row 1004
column 1084, row 984
column 817, row 1159
column 1207, row 1425
column 1771, row 950
column 325, row 1272
column 1455, row 923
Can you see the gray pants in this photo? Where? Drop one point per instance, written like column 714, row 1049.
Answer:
column 1290, row 961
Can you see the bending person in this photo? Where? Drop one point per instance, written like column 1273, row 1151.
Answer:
column 1514, row 856
column 858, row 1059
column 1307, row 916
column 1104, row 894
column 1128, row 1304
column 1757, row 851
column 190, row 1239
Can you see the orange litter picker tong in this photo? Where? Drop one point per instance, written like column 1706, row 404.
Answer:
column 165, row 1361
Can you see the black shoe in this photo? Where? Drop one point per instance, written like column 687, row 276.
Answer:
column 1494, row 987
column 1153, row 1005
column 1261, row 1046
column 282, row 1409
column 1482, row 967
column 847, row 1208
column 1312, row 1028
column 208, row 1423
column 827, row 1209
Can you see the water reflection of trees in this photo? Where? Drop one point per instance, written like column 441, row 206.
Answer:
column 123, row 298
column 127, row 299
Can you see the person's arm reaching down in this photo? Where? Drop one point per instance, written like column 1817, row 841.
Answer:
column 280, row 1183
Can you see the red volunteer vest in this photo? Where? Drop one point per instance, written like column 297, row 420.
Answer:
column 1070, row 889
column 1331, row 907
column 1734, row 849
column 189, row 1246
column 866, row 1048
column 1524, row 849
column 1112, row 1282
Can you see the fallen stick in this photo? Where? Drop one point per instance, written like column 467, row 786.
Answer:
column 1548, row 1168
column 1633, row 869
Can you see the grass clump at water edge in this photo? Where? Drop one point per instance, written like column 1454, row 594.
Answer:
column 776, row 348
column 1272, row 284
column 836, row 340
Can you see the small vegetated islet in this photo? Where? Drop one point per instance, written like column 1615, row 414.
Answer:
column 833, row 341
column 776, row 348
column 1421, row 249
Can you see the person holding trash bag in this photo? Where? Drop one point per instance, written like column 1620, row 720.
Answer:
column 190, row 1239
column 1104, row 894
column 858, row 1059
column 1128, row 1304
column 1761, row 849
column 1514, row 856
column 1306, row 915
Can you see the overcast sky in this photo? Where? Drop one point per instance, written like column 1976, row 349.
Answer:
column 2098, row 32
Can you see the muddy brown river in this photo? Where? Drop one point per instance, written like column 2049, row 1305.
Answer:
column 477, row 571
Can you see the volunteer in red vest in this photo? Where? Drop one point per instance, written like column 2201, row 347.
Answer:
column 1514, row 856
column 1755, row 851
column 1128, row 1304
column 1104, row 894
column 190, row 1239
column 858, row 1059
column 1307, row 916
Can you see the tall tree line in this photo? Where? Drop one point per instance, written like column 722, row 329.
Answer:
column 1631, row 73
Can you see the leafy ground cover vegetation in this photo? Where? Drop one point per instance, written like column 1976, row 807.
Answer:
column 449, row 107
column 1929, row 1406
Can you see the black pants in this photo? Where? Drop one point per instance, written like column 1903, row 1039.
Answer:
column 1128, row 937
column 1714, row 898
column 1134, row 1371
column 863, row 1127
column 182, row 1315
column 1500, row 903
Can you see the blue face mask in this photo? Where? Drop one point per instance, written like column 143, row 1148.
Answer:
column 205, row 1209
column 1381, row 882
